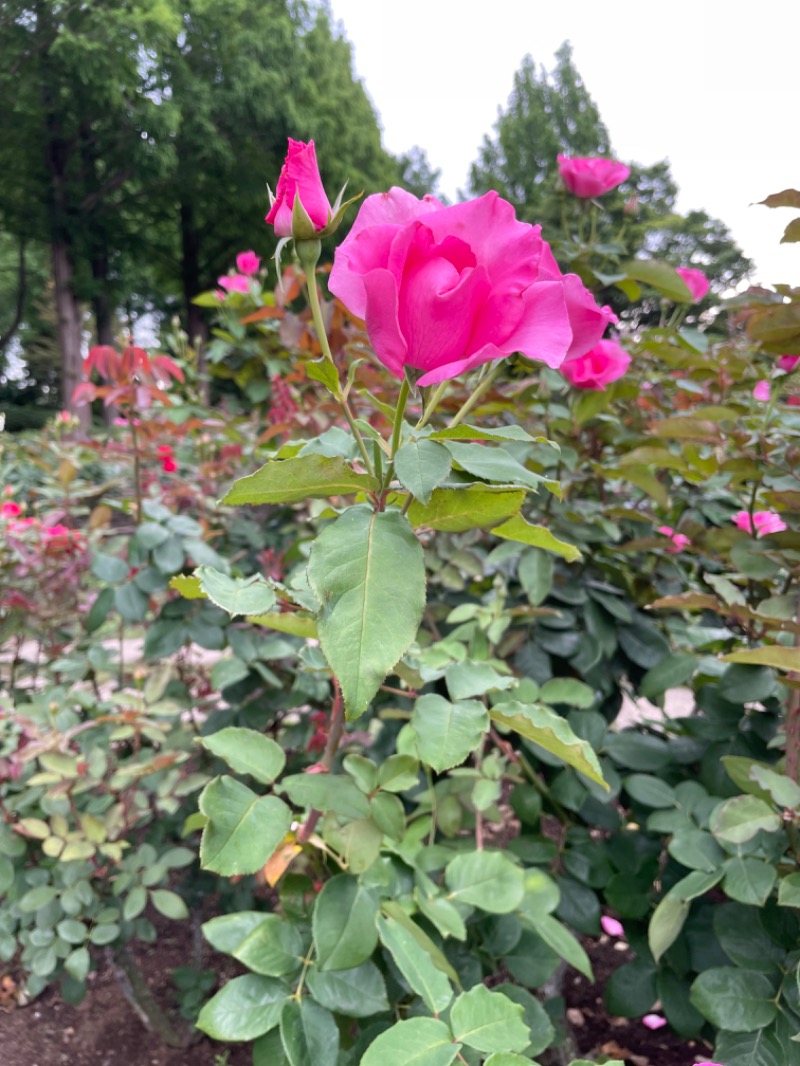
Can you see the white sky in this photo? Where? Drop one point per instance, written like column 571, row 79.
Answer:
column 713, row 85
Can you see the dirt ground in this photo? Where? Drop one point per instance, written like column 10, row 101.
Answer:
column 104, row 1031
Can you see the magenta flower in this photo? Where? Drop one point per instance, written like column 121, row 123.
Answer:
column 762, row 523
column 696, row 282
column 445, row 289
column 654, row 1021
column 9, row 509
column 606, row 362
column 761, row 392
column 299, row 180
column 588, row 178
column 248, row 263
column 788, row 362
column 612, row 926
column 234, row 283
column 679, row 541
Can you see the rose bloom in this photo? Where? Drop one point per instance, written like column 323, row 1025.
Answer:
column 9, row 509
column 606, row 362
column 248, row 263
column 445, row 289
column 761, row 391
column 679, row 541
column 588, row 178
column 299, row 178
column 696, row 282
column 788, row 362
column 234, row 283
column 763, row 522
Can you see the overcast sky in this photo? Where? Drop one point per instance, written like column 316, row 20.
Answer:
column 712, row 85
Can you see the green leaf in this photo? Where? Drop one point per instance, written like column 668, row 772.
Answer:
column 782, row 789
column 358, row 566
column 471, row 678
column 71, row 930
column 447, row 732
column 169, row 903
column 457, row 510
column 236, row 595
column 421, row 466
column 247, row 752
column 696, row 849
column 356, row 993
column 750, row 881
column 738, row 819
column 665, row 925
column 791, row 235
column 659, row 276
column 394, row 910
column 188, row 585
column 77, row 964
column 309, row 1034
column 485, row 879
column 300, row 478
column 551, row 732
column 323, row 371
column 650, row 791
column 777, row 656
column 567, row 690
column 109, row 568
column 789, row 890
column 36, row 898
column 508, row 1058
column 734, row 999
column 131, row 602
column 535, row 573
column 416, row 1042
column 343, row 924
column 488, row 1021
column 674, row 670
column 327, row 792
column 415, row 965
column 465, row 432
column 398, row 773
column 298, row 625
column 631, row 989
column 535, row 1017
column 6, row 874
column 244, row 1008
column 268, row 1050
column 760, row 1048
column 493, row 464
column 264, row 943
column 243, row 829
column 518, row 529
column 559, row 939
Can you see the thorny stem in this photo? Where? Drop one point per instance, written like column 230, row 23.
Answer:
column 308, row 262
column 328, row 755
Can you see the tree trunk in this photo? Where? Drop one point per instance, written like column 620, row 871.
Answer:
column 190, row 270
column 69, row 316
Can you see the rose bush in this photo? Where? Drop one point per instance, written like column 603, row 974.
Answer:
column 588, row 177
column 446, row 289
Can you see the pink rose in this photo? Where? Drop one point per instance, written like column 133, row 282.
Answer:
column 234, row 283
column 446, row 289
column 606, row 362
column 612, row 926
column 9, row 509
column 588, row 178
column 761, row 392
column 654, row 1021
column 763, row 522
column 248, row 263
column 788, row 362
column 679, row 540
column 299, row 180
column 696, row 282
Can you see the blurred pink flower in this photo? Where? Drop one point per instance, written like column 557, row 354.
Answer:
column 696, row 282
column 612, row 926
column 9, row 509
column 654, row 1021
column 761, row 392
column 234, row 283
column 679, row 541
column 762, row 523
column 788, row 362
column 248, row 263
column 588, row 177
column 606, row 362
